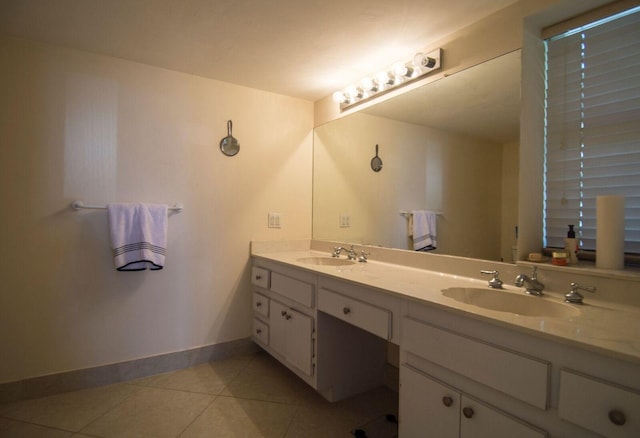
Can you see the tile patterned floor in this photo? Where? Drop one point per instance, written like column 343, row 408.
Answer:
column 245, row 396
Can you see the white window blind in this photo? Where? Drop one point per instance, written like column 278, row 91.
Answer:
column 592, row 137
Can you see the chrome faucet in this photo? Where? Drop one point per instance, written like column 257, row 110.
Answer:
column 532, row 285
column 576, row 297
column 495, row 282
column 351, row 254
column 336, row 251
column 363, row 256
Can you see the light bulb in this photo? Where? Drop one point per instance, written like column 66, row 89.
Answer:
column 355, row 92
column 339, row 97
column 421, row 60
column 384, row 78
column 369, row 84
column 417, row 60
column 400, row 69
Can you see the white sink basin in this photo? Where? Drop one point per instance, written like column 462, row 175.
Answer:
column 501, row 301
column 326, row 261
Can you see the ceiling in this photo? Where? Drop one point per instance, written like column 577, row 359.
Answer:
column 300, row 48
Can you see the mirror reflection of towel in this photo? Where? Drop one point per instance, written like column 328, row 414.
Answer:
column 424, row 230
column 138, row 235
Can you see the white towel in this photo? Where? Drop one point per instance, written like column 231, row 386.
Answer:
column 138, row 236
column 424, row 230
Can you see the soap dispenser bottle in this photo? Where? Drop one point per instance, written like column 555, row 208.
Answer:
column 571, row 246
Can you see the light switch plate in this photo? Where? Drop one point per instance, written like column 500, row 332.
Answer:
column 274, row 220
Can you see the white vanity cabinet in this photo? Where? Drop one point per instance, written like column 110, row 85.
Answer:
column 546, row 387
column 426, row 403
column 600, row 406
column 291, row 336
column 338, row 359
column 462, row 374
column 431, row 408
column 368, row 317
column 496, row 367
column 284, row 316
column 369, row 309
column 260, row 331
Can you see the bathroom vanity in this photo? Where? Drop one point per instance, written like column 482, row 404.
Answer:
column 474, row 361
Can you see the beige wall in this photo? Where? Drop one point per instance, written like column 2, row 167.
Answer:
column 424, row 168
column 82, row 126
column 510, row 187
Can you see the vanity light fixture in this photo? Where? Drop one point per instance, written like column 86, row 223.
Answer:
column 398, row 75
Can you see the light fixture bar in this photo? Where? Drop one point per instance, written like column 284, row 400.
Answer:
column 397, row 76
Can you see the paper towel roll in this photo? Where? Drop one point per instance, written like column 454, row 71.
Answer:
column 610, row 232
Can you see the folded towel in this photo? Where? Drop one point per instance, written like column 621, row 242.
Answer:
column 138, row 236
column 424, row 230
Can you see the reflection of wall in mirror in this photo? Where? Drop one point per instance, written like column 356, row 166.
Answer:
column 424, row 168
column 509, row 214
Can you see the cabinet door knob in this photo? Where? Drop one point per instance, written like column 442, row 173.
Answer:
column 287, row 317
column 467, row 412
column 346, row 310
column 447, row 401
column 617, row 417
column 258, row 277
column 259, row 303
column 283, row 313
column 258, row 331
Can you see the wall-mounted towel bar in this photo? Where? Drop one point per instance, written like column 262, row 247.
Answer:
column 78, row 205
column 408, row 213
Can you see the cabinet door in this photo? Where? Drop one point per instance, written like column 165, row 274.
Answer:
column 427, row 407
column 481, row 421
column 299, row 341
column 278, row 328
column 290, row 335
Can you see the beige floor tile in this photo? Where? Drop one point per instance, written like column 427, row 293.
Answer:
column 261, row 398
column 229, row 417
column 310, row 423
column 320, row 418
column 207, row 378
column 70, row 411
column 17, row 429
column 268, row 380
column 151, row 412
column 372, row 404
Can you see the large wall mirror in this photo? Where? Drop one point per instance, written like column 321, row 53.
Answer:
column 449, row 146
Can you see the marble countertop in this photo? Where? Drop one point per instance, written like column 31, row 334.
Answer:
column 603, row 327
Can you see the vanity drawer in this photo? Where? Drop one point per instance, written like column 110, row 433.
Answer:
column 261, row 304
column 597, row 405
column 260, row 332
column 294, row 289
column 370, row 318
column 260, row 277
column 512, row 373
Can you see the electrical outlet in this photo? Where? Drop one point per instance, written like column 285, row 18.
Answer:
column 345, row 220
column 274, row 220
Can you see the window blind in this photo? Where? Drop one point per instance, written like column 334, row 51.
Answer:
column 592, row 128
